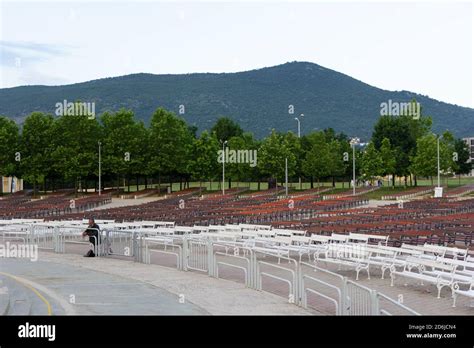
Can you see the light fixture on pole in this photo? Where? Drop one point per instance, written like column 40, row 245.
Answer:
column 299, row 125
column 438, row 189
column 354, row 141
column 100, row 168
column 299, row 136
column 223, row 167
column 439, row 183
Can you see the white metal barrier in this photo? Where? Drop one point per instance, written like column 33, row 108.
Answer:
column 72, row 235
column 247, row 259
column 206, row 255
column 210, row 256
column 197, row 255
column 306, row 280
column 15, row 232
column 292, row 281
column 401, row 309
column 46, row 237
column 360, row 299
column 119, row 242
column 160, row 246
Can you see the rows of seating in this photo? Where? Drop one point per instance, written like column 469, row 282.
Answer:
column 143, row 193
column 191, row 208
column 310, row 192
column 11, row 202
column 415, row 192
column 263, row 193
column 359, row 191
column 440, row 221
column 56, row 204
column 460, row 191
column 445, row 221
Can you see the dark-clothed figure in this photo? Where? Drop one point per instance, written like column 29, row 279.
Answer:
column 92, row 232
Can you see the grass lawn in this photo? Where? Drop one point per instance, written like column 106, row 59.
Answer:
column 386, row 189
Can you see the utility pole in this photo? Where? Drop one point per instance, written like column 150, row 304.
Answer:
column 223, row 167
column 100, row 169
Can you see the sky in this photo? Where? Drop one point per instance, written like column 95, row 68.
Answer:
column 424, row 47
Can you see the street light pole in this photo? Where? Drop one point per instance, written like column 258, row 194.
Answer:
column 299, row 136
column 100, row 168
column 223, row 167
column 353, row 142
column 353, row 170
column 299, row 130
column 438, row 163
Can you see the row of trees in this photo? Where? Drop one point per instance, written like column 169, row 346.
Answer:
column 63, row 151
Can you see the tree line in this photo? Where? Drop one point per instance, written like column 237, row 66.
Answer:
column 57, row 152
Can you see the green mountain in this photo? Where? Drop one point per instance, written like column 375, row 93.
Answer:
column 258, row 99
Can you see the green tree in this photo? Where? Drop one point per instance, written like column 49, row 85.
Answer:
column 9, row 142
column 272, row 154
column 74, row 145
column 35, row 148
column 122, row 145
column 336, row 164
column 170, row 146
column 388, row 157
column 316, row 160
column 372, row 164
column 225, row 128
column 425, row 162
column 241, row 171
column 402, row 132
column 204, row 163
column 462, row 150
column 294, row 145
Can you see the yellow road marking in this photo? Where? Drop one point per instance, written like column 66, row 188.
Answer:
column 36, row 292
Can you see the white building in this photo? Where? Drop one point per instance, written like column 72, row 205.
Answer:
column 10, row 184
column 470, row 143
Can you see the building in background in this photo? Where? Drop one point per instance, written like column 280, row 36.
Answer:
column 10, row 184
column 470, row 143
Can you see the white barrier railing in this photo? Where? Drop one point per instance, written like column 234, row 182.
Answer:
column 197, row 255
column 208, row 255
column 164, row 243
column 46, row 237
column 360, row 299
column 339, row 287
column 119, row 242
column 381, row 298
column 73, row 235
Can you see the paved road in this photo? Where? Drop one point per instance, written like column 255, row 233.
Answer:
column 124, row 287
column 44, row 288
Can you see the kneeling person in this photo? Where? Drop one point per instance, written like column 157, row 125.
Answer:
column 92, row 232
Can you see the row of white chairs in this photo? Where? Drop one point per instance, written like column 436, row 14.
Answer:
column 441, row 272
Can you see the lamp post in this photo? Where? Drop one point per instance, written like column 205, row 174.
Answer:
column 100, row 167
column 299, row 125
column 299, row 136
column 354, row 141
column 223, row 167
column 439, row 185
